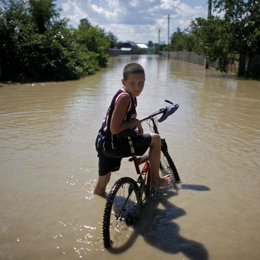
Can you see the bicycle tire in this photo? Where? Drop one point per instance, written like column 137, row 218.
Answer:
column 121, row 212
column 166, row 164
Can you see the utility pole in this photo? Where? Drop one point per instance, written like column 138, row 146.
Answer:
column 168, row 30
column 168, row 36
column 159, row 39
column 209, row 8
column 209, row 15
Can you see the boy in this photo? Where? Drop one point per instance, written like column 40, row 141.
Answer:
column 121, row 116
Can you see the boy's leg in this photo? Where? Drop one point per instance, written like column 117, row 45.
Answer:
column 101, row 185
column 106, row 165
column 154, row 157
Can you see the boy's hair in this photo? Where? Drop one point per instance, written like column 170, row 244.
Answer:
column 132, row 68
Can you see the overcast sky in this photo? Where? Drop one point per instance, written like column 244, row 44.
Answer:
column 134, row 20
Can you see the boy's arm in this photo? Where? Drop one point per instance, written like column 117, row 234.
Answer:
column 117, row 124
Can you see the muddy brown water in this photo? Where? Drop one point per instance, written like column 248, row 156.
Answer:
column 49, row 166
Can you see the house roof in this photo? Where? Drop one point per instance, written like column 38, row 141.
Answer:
column 142, row 45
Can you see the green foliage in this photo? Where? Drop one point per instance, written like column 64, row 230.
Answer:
column 233, row 35
column 36, row 45
column 42, row 12
column 113, row 40
column 181, row 41
column 54, row 56
column 243, row 17
column 211, row 38
column 93, row 39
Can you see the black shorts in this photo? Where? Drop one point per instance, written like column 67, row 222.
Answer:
column 110, row 159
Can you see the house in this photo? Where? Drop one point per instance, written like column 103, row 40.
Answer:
column 142, row 47
column 130, row 48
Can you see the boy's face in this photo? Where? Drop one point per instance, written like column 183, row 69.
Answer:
column 134, row 84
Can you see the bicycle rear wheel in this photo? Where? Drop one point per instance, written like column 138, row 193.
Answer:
column 166, row 164
column 121, row 212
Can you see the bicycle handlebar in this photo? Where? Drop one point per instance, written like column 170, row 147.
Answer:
column 166, row 111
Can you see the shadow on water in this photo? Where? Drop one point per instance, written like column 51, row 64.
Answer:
column 160, row 231
column 195, row 187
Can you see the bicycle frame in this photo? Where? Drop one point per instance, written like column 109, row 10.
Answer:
column 139, row 160
column 144, row 174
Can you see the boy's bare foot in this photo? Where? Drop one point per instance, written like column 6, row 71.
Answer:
column 103, row 195
column 101, row 184
column 163, row 182
column 99, row 191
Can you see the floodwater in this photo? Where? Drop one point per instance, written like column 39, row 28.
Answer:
column 49, row 166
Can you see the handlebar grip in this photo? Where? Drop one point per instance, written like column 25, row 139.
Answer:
column 169, row 110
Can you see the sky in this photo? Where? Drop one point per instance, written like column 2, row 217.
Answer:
column 134, row 20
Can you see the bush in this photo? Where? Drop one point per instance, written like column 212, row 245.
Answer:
column 37, row 48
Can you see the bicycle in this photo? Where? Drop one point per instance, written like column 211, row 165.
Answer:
column 128, row 196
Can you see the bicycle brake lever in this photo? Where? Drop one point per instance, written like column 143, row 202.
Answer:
column 168, row 101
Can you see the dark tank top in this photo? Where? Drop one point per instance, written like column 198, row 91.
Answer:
column 131, row 113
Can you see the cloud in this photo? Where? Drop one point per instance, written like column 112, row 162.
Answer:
column 73, row 10
column 133, row 3
column 134, row 20
column 100, row 10
column 169, row 4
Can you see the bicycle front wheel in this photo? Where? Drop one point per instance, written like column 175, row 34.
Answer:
column 121, row 212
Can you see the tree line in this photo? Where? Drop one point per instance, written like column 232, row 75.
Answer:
column 232, row 35
column 36, row 44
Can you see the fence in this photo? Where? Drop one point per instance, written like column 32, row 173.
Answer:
column 193, row 57
column 186, row 56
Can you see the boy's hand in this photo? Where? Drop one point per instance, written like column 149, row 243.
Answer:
column 139, row 126
column 140, row 129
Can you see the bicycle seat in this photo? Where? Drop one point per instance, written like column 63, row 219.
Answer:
column 168, row 110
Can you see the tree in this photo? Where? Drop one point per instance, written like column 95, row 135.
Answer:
column 211, row 38
column 233, row 35
column 94, row 39
column 14, row 23
column 112, row 39
column 35, row 44
column 180, row 41
column 243, row 19
column 42, row 12
column 84, row 24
